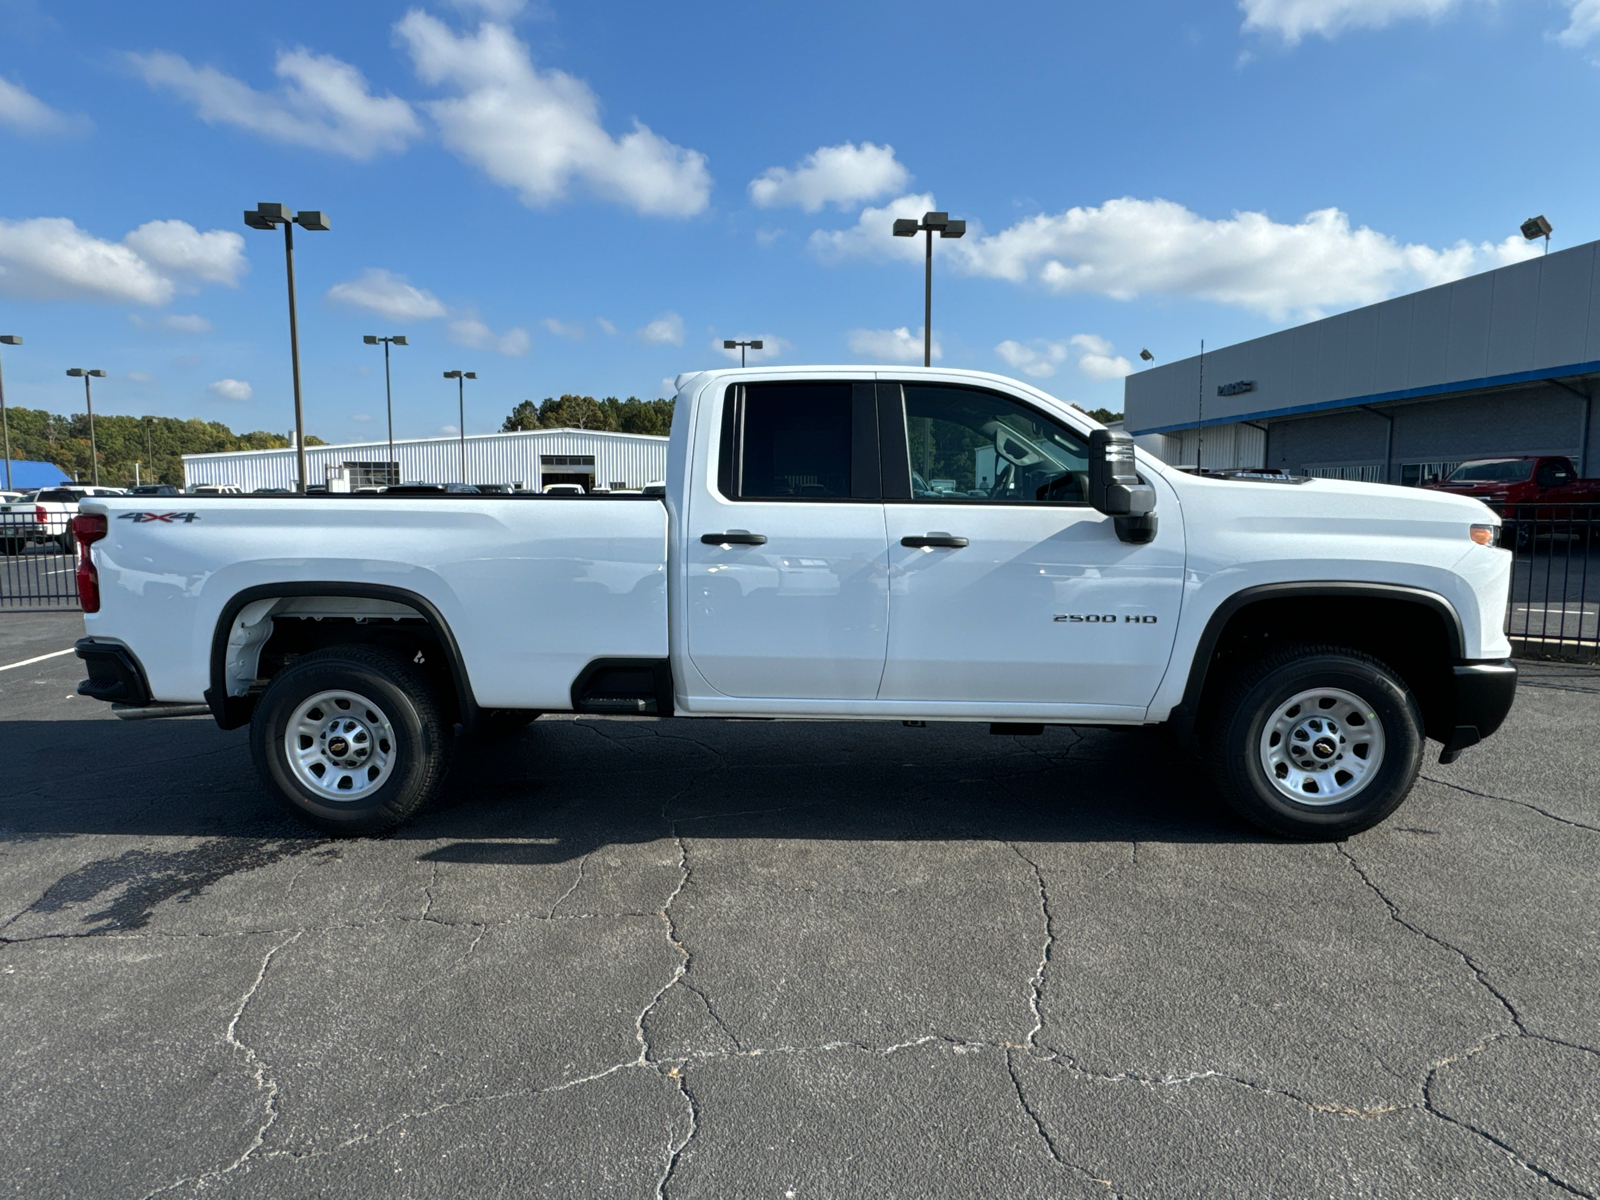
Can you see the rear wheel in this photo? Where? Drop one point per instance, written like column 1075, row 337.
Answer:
column 9, row 546
column 350, row 740
column 1315, row 742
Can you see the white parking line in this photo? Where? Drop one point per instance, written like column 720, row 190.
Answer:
column 25, row 662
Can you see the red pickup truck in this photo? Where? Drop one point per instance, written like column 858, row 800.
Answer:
column 1525, row 488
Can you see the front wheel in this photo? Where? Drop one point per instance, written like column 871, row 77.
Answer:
column 1315, row 742
column 350, row 740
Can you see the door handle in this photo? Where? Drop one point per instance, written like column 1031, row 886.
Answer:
column 934, row 539
column 734, row 537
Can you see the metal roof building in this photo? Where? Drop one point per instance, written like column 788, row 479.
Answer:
column 1504, row 362
column 530, row 459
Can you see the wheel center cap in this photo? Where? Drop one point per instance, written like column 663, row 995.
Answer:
column 338, row 747
column 1323, row 747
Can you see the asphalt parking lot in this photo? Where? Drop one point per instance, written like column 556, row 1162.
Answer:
column 730, row 959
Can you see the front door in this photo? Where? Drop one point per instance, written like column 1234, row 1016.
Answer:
column 1005, row 586
column 787, row 556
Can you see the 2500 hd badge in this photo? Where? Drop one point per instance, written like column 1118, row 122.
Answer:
column 1107, row 618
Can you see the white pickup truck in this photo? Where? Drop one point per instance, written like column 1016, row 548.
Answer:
column 840, row 543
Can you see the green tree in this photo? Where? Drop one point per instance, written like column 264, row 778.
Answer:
column 1104, row 415
column 156, row 444
column 523, row 417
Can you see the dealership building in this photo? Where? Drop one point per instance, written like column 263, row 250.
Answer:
column 1501, row 363
column 533, row 459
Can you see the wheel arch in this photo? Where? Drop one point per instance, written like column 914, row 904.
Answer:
column 1419, row 628
column 231, row 712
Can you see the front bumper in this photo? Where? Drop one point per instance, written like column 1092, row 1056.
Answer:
column 1481, row 695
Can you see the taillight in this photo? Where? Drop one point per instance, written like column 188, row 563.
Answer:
column 88, row 528
column 41, row 515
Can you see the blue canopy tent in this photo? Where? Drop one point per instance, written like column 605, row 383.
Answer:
column 26, row 474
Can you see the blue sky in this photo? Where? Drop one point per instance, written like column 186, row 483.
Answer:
column 586, row 197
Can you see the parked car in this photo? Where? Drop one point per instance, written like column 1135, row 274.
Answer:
column 217, row 489
column 153, row 489
column 564, row 489
column 1534, row 493
column 46, row 518
column 1305, row 635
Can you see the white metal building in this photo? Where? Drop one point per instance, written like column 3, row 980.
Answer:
column 533, row 459
column 1506, row 362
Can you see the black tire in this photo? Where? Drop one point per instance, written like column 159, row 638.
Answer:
column 419, row 748
column 11, row 546
column 67, row 542
column 1255, row 692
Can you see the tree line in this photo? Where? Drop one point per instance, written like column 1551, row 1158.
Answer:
column 157, row 444
column 632, row 415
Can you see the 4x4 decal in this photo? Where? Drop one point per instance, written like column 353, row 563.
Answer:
column 146, row 518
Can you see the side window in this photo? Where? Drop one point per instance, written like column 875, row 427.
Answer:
column 969, row 445
column 789, row 441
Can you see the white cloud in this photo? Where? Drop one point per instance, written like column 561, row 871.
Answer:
column 1039, row 360
column 468, row 330
column 324, row 103
column 231, row 389
column 1098, row 360
column 765, row 237
column 450, row 429
column 539, row 131
column 771, row 347
column 1128, row 247
column 890, row 345
column 1583, row 23
column 23, row 112
column 50, row 258
column 361, row 417
column 1293, row 19
column 606, row 327
column 193, row 323
column 872, row 236
column 388, row 295
column 665, row 330
column 839, row 175
column 179, row 248
column 140, row 377
column 566, row 329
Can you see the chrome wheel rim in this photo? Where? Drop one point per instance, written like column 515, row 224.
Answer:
column 1322, row 746
column 340, row 745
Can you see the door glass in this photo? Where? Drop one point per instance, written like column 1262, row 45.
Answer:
column 788, row 441
column 968, row 445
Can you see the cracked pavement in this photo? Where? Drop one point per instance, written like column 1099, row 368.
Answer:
column 633, row 958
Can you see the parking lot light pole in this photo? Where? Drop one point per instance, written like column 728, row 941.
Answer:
column 729, row 345
column 269, row 216
column 6, row 339
column 461, row 400
column 88, row 400
column 946, row 228
column 388, row 396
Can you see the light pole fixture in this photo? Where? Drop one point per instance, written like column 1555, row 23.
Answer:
column 6, row 339
column 388, row 396
column 946, row 228
column 1535, row 228
column 269, row 216
column 1147, row 356
column 88, row 400
column 730, row 344
column 461, row 400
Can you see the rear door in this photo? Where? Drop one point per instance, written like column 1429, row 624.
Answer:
column 786, row 555
column 1005, row 586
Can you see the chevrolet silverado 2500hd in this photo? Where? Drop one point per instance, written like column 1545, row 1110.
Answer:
column 839, row 543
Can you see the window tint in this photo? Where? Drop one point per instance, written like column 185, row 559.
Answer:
column 787, row 441
column 57, row 496
column 970, row 445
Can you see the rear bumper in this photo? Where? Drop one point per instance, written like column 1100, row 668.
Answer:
column 1481, row 695
column 115, row 675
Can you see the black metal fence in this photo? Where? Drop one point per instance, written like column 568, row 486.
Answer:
column 1555, row 578
column 37, row 564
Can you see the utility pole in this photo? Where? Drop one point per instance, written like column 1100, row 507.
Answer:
column 88, row 400
column 8, row 339
column 946, row 228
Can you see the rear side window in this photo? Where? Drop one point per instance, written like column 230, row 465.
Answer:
column 788, row 441
column 57, row 496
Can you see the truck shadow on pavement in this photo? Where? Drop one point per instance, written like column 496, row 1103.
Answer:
column 563, row 787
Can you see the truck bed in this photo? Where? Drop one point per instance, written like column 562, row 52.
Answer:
column 532, row 587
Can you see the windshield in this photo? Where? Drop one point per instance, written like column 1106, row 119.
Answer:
column 1493, row 470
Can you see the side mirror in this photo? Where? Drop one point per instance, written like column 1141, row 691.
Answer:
column 1115, row 488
